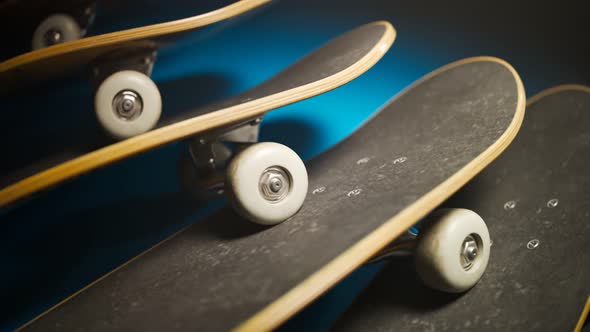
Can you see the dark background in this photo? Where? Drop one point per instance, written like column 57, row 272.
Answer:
column 59, row 241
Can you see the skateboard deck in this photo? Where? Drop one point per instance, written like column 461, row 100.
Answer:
column 336, row 63
column 534, row 199
column 583, row 324
column 223, row 272
column 67, row 57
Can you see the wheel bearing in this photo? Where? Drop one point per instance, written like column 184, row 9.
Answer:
column 53, row 37
column 275, row 184
column 127, row 105
column 469, row 252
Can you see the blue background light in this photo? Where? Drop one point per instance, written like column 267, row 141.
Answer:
column 60, row 240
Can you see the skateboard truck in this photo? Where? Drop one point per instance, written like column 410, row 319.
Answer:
column 127, row 102
column 257, row 175
column 209, row 155
column 202, row 173
column 140, row 59
column 444, row 235
column 403, row 245
column 208, row 152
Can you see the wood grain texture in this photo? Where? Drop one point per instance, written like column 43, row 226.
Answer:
column 582, row 321
column 67, row 57
column 224, row 272
column 523, row 289
column 336, row 63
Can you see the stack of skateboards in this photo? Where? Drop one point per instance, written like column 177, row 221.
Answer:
column 496, row 193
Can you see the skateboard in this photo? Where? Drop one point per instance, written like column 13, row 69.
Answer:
column 44, row 23
column 233, row 120
column 583, row 324
column 534, row 201
column 222, row 273
column 119, row 64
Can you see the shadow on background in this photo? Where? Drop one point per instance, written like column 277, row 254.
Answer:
column 60, row 140
column 52, row 260
column 294, row 132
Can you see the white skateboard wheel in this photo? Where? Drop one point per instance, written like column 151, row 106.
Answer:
column 267, row 183
column 55, row 29
column 127, row 103
column 453, row 250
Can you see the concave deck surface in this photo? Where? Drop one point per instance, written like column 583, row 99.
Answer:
column 542, row 288
column 368, row 189
column 63, row 58
column 336, row 63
